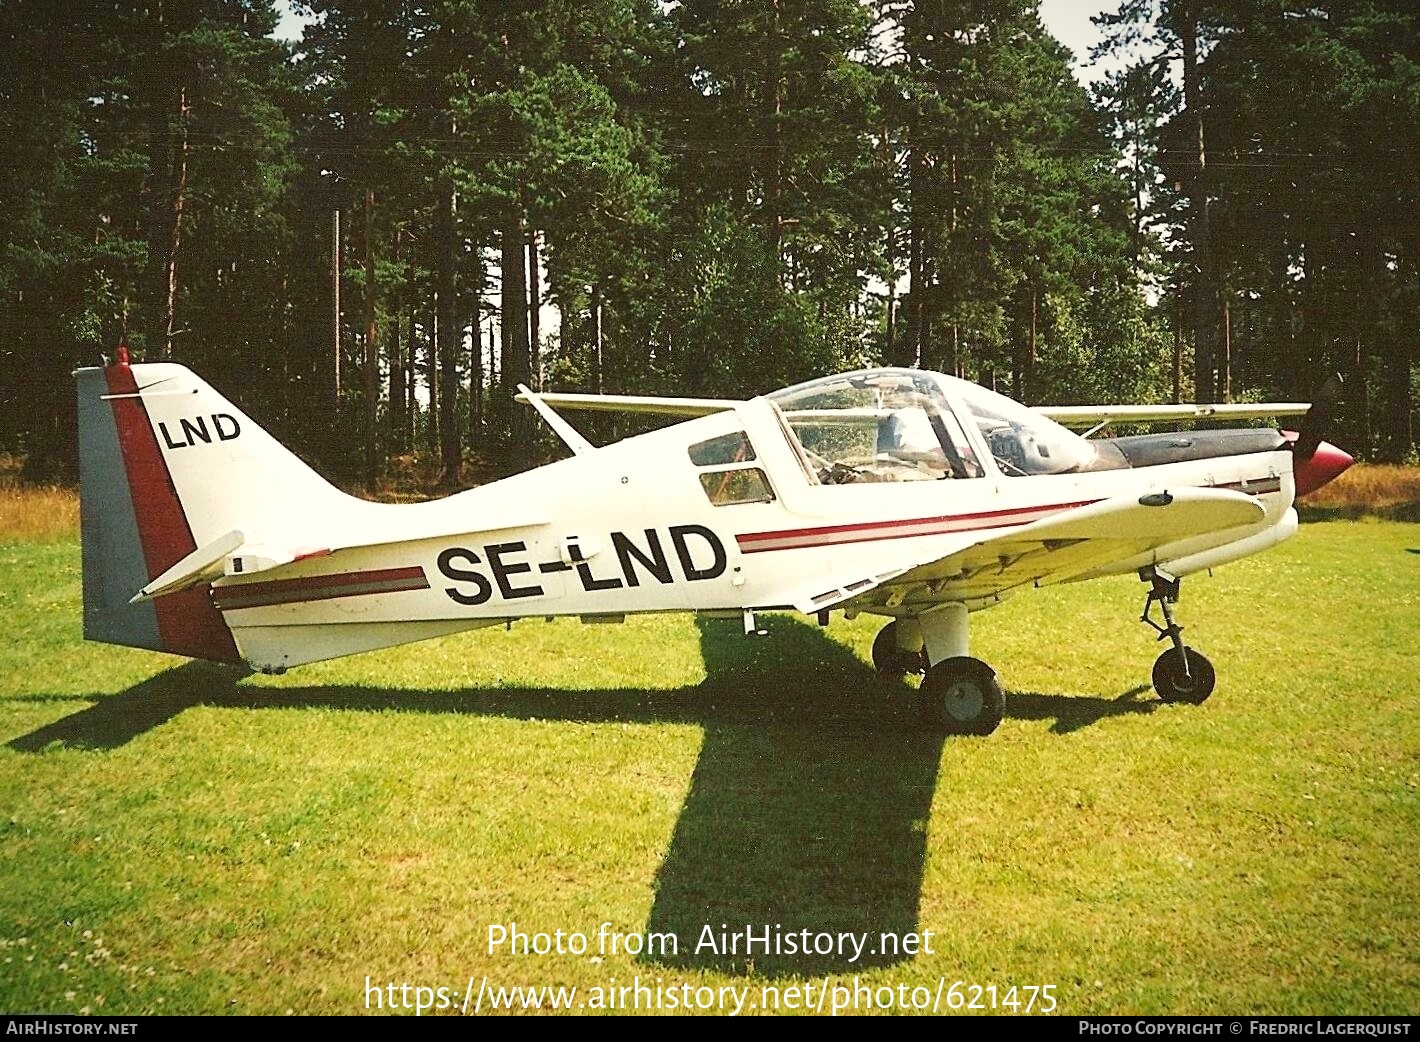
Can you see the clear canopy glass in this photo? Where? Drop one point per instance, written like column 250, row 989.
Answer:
column 1022, row 441
column 900, row 425
column 877, row 425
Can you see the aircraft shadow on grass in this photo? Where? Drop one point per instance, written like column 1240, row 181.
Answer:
column 807, row 809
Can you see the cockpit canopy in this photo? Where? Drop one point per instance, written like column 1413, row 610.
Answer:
column 911, row 425
column 1022, row 441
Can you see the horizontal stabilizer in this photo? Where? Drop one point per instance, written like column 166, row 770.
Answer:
column 232, row 556
column 202, row 565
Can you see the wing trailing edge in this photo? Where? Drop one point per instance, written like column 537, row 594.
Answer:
column 1054, row 549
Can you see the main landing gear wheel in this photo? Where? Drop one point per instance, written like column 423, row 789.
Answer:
column 1174, row 683
column 962, row 696
column 892, row 661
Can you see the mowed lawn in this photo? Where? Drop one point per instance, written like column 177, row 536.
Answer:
column 174, row 841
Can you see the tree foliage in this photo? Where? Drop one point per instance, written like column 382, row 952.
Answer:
column 701, row 198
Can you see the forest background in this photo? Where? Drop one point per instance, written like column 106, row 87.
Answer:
column 369, row 235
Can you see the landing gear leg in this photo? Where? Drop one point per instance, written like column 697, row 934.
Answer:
column 1180, row 673
column 898, row 649
column 959, row 694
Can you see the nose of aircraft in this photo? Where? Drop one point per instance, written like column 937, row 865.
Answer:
column 1325, row 464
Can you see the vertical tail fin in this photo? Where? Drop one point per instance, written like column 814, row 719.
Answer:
column 166, row 464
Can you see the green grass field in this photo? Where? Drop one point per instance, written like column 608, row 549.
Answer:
column 175, row 841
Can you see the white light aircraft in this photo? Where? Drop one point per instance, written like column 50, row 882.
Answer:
column 897, row 492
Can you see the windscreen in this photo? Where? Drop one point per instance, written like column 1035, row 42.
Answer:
column 1023, row 442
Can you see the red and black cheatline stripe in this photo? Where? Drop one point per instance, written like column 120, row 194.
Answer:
column 831, row 535
column 320, row 587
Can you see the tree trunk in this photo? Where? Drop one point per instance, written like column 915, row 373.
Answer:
column 1032, row 353
column 1204, row 295
column 1400, row 433
column 890, row 340
column 1315, row 306
column 910, row 352
column 932, row 313
column 596, row 308
column 475, row 383
column 493, row 386
column 535, row 309
column 431, row 378
column 1138, row 178
column 411, row 405
column 1178, row 347
column 516, row 362
column 395, row 350
column 449, row 339
column 335, row 267
column 1018, row 364
column 1359, row 392
column 1024, row 355
column 174, row 243
column 889, row 162
column 470, row 332
column 1225, row 366
column 372, row 351
column 773, row 108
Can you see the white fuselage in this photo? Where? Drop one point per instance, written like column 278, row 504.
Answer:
column 630, row 528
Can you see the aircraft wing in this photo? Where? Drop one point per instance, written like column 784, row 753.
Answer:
column 1069, row 415
column 1100, row 415
column 1055, row 549
column 686, row 408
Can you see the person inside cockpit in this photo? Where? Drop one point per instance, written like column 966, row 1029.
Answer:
column 907, row 435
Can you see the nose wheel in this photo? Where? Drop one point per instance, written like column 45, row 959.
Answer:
column 1180, row 673
column 1183, row 678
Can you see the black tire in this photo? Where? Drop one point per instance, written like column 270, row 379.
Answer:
column 891, row 661
column 1173, row 685
column 963, row 696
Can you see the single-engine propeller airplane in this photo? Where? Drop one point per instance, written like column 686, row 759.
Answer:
column 898, row 492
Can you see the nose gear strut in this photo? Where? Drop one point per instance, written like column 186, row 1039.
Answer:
column 1180, row 673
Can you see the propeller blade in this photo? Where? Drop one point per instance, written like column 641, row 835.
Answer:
column 1318, row 418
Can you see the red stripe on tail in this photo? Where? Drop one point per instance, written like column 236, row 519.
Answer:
column 189, row 622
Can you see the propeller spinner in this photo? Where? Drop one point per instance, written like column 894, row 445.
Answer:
column 1314, row 461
